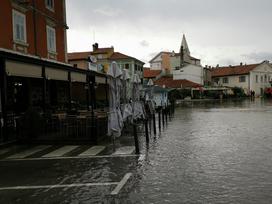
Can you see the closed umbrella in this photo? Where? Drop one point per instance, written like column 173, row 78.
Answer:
column 126, row 106
column 115, row 121
column 137, row 105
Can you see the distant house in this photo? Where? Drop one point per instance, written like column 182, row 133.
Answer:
column 255, row 77
column 161, row 62
column 101, row 58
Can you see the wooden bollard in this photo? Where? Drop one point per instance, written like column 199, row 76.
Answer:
column 146, row 131
column 165, row 114
column 154, row 123
column 159, row 116
column 163, row 121
column 136, row 141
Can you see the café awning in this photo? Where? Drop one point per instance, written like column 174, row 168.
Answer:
column 56, row 74
column 23, row 69
column 78, row 77
column 100, row 80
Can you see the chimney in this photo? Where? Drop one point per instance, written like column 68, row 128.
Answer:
column 241, row 63
column 95, row 46
column 181, row 57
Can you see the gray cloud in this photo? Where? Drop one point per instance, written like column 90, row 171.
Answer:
column 144, row 43
column 239, row 24
column 258, row 56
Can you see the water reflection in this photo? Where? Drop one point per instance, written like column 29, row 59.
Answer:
column 211, row 152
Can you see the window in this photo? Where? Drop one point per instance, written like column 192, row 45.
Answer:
column 49, row 4
column 51, row 39
column 19, row 26
column 136, row 67
column 225, row 80
column 242, row 79
column 216, row 80
column 261, row 79
column 265, row 78
column 127, row 66
column 257, row 79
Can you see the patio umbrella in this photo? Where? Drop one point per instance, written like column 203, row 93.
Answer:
column 115, row 121
column 126, row 106
column 137, row 105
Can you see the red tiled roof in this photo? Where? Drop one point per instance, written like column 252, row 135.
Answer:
column 148, row 73
column 118, row 55
column 103, row 50
column 169, row 82
column 78, row 55
column 233, row 70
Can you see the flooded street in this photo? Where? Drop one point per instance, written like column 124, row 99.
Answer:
column 210, row 152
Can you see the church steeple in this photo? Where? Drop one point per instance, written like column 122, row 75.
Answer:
column 185, row 46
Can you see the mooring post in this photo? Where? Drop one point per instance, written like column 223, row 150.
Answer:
column 136, row 141
column 163, row 121
column 159, row 116
column 154, row 123
column 146, row 131
column 165, row 113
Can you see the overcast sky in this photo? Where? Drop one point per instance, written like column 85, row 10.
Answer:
column 218, row 31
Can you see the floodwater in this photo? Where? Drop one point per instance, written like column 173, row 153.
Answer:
column 211, row 152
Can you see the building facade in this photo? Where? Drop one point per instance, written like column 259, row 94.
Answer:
column 185, row 66
column 253, row 77
column 34, row 27
column 190, row 72
column 100, row 59
column 34, row 75
column 161, row 62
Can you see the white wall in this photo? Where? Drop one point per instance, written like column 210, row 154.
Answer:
column 156, row 63
column 251, row 84
column 261, row 71
column 233, row 81
column 190, row 72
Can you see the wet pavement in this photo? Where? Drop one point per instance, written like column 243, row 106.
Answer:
column 210, row 152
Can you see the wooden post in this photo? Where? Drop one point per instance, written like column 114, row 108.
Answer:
column 163, row 122
column 136, row 141
column 159, row 115
column 146, row 131
column 165, row 113
column 154, row 123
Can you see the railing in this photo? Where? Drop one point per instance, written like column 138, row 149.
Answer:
column 52, row 128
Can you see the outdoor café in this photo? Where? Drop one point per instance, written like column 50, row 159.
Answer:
column 44, row 100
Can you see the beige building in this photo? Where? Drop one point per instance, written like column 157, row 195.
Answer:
column 253, row 77
column 161, row 62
